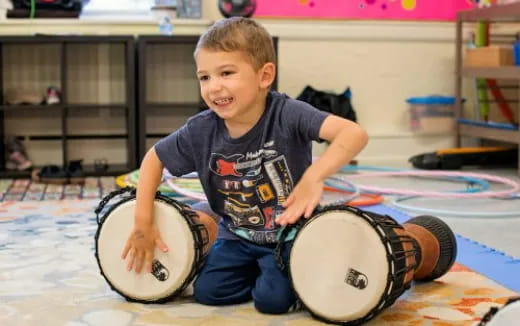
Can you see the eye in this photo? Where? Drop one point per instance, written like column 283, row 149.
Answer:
column 227, row 73
column 203, row 78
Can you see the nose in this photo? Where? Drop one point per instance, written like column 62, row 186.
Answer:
column 214, row 85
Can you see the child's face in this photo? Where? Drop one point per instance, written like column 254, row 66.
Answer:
column 229, row 84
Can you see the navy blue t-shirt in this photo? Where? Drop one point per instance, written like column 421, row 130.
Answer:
column 246, row 179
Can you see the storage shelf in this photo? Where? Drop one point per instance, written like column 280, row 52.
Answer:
column 174, row 105
column 96, row 106
column 71, row 137
column 88, row 170
column 9, row 107
column 511, row 136
column 64, row 59
column 506, row 72
column 496, row 13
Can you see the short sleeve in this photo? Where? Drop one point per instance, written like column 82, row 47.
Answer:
column 303, row 120
column 175, row 152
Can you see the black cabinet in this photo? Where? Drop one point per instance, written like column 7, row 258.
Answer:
column 94, row 119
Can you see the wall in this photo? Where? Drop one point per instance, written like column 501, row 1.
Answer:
column 382, row 62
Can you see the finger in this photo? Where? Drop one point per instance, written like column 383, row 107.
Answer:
column 289, row 201
column 130, row 260
column 126, row 249
column 139, row 262
column 148, row 258
column 310, row 209
column 295, row 217
column 280, row 218
column 161, row 245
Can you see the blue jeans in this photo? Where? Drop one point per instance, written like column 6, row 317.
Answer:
column 237, row 271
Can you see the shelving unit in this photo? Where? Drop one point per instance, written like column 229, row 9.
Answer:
column 96, row 76
column 494, row 14
column 168, row 87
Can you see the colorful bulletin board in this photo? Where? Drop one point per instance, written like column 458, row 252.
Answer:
column 363, row 9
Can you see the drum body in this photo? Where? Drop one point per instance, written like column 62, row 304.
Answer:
column 187, row 236
column 346, row 265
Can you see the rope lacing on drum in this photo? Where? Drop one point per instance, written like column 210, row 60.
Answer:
column 109, row 197
column 281, row 242
column 279, row 247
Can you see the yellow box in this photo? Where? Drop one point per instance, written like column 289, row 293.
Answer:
column 489, row 56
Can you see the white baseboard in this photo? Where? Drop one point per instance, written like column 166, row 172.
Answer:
column 395, row 150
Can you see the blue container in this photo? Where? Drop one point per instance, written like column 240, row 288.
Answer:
column 432, row 114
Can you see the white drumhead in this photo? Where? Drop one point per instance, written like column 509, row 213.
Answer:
column 178, row 261
column 508, row 315
column 338, row 266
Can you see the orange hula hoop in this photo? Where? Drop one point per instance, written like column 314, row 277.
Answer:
column 369, row 199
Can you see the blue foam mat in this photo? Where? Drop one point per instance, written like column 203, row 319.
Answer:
column 487, row 261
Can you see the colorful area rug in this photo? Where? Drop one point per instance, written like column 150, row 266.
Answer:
column 49, row 277
column 26, row 190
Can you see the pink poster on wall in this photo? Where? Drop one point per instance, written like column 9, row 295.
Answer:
column 363, row 9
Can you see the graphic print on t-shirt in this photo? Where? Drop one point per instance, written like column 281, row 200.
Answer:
column 252, row 187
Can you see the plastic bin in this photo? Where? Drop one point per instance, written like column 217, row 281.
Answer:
column 432, row 114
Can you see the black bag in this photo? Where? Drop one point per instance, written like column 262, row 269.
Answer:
column 338, row 104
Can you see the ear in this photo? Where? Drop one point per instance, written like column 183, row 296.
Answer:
column 266, row 75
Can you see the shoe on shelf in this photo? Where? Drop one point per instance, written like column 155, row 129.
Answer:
column 75, row 172
column 53, row 95
column 18, row 161
column 17, row 158
column 53, row 174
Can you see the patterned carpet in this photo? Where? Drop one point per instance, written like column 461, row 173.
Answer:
column 26, row 190
column 49, row 277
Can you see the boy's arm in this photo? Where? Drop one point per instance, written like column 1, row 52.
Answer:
column 150, row 175
column 145, row 237
column 346, row 139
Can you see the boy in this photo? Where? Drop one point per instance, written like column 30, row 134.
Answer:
column 252, row 152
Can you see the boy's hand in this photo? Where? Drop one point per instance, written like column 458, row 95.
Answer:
column 140, row 247
column 302, row 201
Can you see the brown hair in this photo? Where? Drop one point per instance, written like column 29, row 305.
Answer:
column 239, row 34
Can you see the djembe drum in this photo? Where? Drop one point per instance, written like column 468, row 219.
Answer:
column 347, row 265
column 187, row 234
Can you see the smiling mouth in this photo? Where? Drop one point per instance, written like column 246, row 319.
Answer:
column 223, row 101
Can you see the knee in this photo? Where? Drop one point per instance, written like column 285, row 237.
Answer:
column 208, row 291
column 204, row 292
column 274, row 303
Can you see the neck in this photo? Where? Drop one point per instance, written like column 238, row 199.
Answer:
column 241, row 125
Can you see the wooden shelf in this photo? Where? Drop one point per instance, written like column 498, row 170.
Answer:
column 511, row 136
column 505, row 72
column 508, row 13
column 88, row 170
column 68, row 109
column 175, row 105
column 87, row 106
column 7, row 107
column 496, row 13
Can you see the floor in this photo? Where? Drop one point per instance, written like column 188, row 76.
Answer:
column 501, row 233
column 49, row 276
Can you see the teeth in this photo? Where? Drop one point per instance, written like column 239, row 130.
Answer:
column 223, row 101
